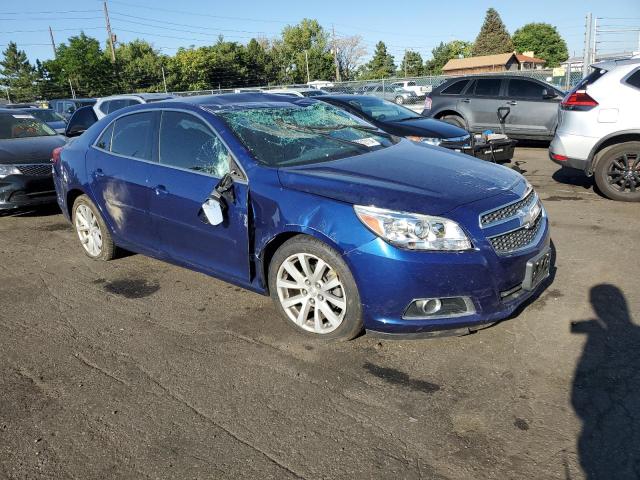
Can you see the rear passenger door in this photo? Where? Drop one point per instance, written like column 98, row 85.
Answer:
column 192, row 160
column 483, row 98
column 119, row 165
column 532, row 113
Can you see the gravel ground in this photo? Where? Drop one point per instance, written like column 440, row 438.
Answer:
column 137, row 369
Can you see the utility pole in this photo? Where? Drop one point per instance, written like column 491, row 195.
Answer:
column 164, row 80
column 73, row 92
column 595, row 40
column 306, row 60
column 335, row 53
column 405, row 63
column 106, row 19
column 53, row 43
column 586, row 55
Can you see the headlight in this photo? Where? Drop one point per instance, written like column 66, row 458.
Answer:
column 413, row 231
column 8, row 170
column 428, row 140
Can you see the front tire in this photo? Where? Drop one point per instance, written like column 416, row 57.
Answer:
column 314, row 290
column 454, row 120
column 399, row 100
column 617, row 172
column 92, row 231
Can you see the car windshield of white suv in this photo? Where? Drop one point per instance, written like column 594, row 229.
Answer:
column 299, row 135
column 22, row 125
column 383, row 110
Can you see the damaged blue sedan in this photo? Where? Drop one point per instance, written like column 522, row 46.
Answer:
column 347, row 228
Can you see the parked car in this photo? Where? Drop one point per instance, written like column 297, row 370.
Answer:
column 26, row 144
column 473, row 102
column 20, row 106
column 66, row 106
column 50, row 117
column 389, row 92
column 401, row 121
column 411, row 86
column 107, row 105
column 599, row 129
column 345, row 226
column 298, row 92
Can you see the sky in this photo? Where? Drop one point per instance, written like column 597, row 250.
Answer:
column 415, row 25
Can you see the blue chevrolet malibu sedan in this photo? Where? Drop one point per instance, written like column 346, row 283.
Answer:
column 344, row 226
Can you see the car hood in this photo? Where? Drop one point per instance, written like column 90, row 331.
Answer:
column 425, row 127
column 29, row 150
column 405, row 177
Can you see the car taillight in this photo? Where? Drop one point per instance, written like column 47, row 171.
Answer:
column 427, row 103
column 578, row 100
column 55, row 155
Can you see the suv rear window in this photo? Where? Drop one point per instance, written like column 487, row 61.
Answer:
column 589, row 79
column 634, row 79
column 455, row 88
column 488, row 87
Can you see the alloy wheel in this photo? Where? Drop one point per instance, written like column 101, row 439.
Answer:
column 311, row 294
column 88, row 230
column 623, row 173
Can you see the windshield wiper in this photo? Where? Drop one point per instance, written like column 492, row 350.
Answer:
column 408, row 118
column 319, row 130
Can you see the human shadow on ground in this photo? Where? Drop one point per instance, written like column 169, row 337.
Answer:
column 606, row 389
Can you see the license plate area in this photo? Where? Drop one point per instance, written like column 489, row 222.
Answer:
column 537, row 270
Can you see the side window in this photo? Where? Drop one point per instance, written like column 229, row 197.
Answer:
column 525, row 89
column 634, row 79
column 488, row 87
column 455, row 88
column 116, row 105
column 411, row 84
column 187, row 142
column 69, row 107
column 133, row 136
column 104, row 107
column 58, row 107
column 104, row 142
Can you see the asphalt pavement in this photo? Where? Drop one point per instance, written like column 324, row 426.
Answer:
column 136, row 369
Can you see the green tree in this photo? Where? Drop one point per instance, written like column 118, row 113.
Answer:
column 412, row 64
column 493, row 37
column 139, row 67
column 542, row 39
column 381, row 65
column 259, row 63
column 445, row 52
column 17, row 74
column 307, row 36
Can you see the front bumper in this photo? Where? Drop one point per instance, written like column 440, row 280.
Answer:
column 26, row 191
column 389, row 279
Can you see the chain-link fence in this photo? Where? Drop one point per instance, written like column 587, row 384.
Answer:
column 392, row 88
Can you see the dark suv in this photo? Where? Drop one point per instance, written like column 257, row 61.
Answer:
column 531, row 106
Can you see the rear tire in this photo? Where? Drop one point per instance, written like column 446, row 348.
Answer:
column 314, row 290
column 92, row 231
column 399, row 100
column 617, row 172
column 454, row 120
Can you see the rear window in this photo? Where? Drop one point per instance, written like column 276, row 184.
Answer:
column 487, row 87
column 22, row 125
column 455, row 88
column 589, row 79
column 634, row 79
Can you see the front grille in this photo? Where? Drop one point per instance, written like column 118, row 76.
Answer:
column 516, row 239
column 35, row 169
column 508, row 211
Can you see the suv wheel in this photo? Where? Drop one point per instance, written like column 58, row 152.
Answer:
column 314, row 290
column 399, row 100
column 617, row 172
column 92, row 232
column 454, row 120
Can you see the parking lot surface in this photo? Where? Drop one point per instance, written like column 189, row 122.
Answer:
column 139, row 369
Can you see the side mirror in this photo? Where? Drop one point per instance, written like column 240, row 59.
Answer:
column 548, row 94
column 212, row 211
column 74, row 131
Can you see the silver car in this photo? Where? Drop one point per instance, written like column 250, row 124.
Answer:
column 599, row 128
column 388, row 91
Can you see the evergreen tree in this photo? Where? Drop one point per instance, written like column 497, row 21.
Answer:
column 411, row 64
column 493, row 37
column 381, row 65
column 17, row 74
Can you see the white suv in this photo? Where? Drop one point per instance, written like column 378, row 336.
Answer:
column 106, row 105
column 599, row 128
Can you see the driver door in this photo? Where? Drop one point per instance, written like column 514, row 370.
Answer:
column 192, row 160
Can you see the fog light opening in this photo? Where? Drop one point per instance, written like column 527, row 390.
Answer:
column 430, row 306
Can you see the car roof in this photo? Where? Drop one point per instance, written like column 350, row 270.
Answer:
column 611, row 64
column 247, row 99
column 144, row 96
column 346, row 97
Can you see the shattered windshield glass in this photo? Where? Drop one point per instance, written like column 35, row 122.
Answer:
column 298, row 135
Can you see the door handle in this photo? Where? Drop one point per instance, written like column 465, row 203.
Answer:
column 466, row 100
column 512, row 102
column 98, row 173
column 160, row 190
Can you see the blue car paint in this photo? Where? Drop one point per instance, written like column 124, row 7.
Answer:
column 317, row 200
